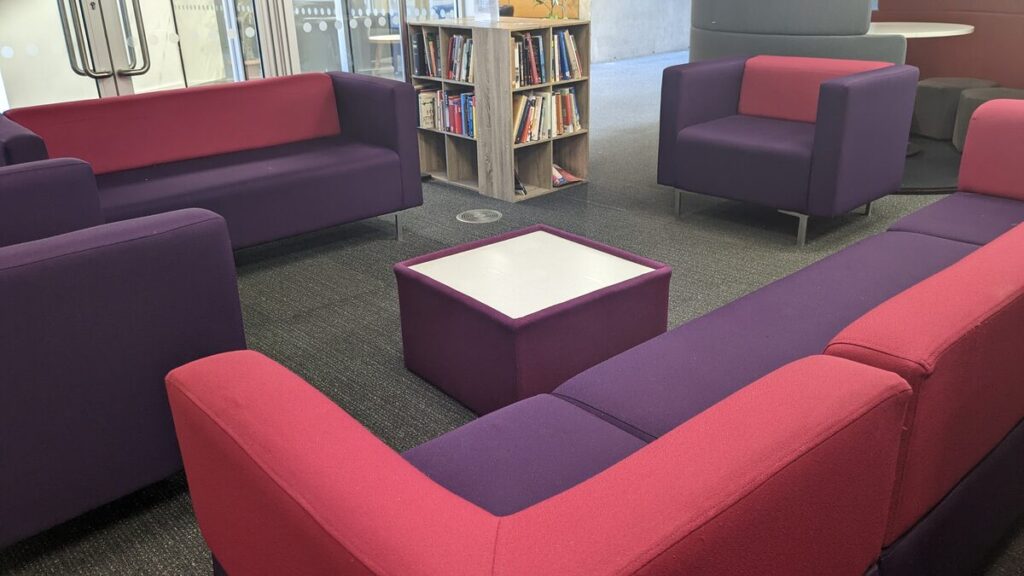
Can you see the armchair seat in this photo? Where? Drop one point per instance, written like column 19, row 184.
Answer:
column 246, row 187
column 775, row 156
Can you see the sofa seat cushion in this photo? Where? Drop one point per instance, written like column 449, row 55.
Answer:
column 524, row 453
column 666, row 381
column 775, row 156
column 266, row 193
column 965, row 217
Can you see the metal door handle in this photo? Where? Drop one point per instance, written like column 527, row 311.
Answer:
column 140, row 27
column 81, row 64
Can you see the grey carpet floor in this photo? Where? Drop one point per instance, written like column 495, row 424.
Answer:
column 325, row 306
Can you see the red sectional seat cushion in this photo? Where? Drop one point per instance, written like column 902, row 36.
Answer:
column 787, row 88
column 995, row 145
column 126, row 132
column 956, row 338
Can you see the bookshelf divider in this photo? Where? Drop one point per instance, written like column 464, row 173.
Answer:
column 473, row 144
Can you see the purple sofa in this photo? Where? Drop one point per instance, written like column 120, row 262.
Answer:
column 274, row 157
column 806, row 136
column 93, row 316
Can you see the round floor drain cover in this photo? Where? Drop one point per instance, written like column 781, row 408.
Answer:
column 480, row 216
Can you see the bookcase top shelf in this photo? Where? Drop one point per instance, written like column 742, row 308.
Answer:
column 510, row 24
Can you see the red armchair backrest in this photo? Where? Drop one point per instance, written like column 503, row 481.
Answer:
column 956, row 338
column 992, row 155
column 125, row 132
column 787, row 88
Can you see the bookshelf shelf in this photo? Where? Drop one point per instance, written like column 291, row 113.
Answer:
column 481, row 103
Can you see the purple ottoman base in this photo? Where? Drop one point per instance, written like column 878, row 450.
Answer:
column 488, row 360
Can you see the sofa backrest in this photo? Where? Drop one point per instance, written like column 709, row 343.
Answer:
column 125, row 132
column 956, row 338
column 992, row 155
column 786, row 17
column 787, row 87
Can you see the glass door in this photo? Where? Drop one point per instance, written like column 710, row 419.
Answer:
column 61, row 50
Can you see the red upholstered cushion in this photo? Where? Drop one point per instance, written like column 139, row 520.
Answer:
column 995, row 146
column 787, row 88
column 126, row 132
column 957, row 339
column 284, row 482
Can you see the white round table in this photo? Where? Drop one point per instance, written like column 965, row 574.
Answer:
column 920, row 29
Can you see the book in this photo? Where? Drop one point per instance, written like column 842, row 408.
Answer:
column 562, row 177
column 419, row 60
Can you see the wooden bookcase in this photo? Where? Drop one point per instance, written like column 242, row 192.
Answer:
column 487, row 163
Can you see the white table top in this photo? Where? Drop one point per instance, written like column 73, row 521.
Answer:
column 920, row 29
column 529, row 273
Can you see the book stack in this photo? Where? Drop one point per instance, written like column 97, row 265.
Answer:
column 446, row 112
column 566, row 56
column 529, row 66
column 460, row 59
column 425, row 61
column 542, row 115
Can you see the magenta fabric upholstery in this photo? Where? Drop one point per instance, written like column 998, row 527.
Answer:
column 19, row 144
column 267, row 193
column 775, row 156
column 662, row 383
column 46, row 198
column 93, row 320
column 487, row 360
column 522, row 454
column 966, row 217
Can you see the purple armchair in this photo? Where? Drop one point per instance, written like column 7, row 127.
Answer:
column 93, row 317
column 806, row 136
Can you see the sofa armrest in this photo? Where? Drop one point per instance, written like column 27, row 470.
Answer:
column 92, row 322
column 774, row 469
column 317, row 492
column 694, row 94
column 995, row 144
column 19, row 144
column 383, row 113
column 860, row 139
column 46, row 198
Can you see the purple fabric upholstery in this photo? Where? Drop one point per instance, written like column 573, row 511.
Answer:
column 693, row 94
column 965, row 217
column 46, row 198
column 775, row 156
column 662, row 383
column 384, row 113
column 852, row 155
column 523, row 453
column 957, row 535
column 19, row 144
column 267, row 193
column 861, row 139
column 487, row 360
column 93, row 320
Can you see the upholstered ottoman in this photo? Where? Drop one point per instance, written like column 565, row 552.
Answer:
column 971, row 100
column 937, row 102
column 499, row 320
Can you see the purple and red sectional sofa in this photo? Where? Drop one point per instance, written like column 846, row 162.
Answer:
column 274, row 157
column 92, row 317
column 861, row 415
column 807, row 136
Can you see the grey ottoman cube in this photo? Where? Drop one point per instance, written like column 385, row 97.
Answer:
column 937, row 103
column 971, row 100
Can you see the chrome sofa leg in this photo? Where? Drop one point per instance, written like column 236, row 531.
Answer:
column 801, row 231
column 867, row 209
column 398, row 226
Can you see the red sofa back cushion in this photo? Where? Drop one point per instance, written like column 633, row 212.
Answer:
column 995, row 146
column 956, row 338
column 126, row 132
column 787, row 88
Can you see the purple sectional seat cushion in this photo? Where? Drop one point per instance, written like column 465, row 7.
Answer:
column 966, row 217
column 328, row 181
column 523, row 453
column 775, row 156
column 666, row 381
